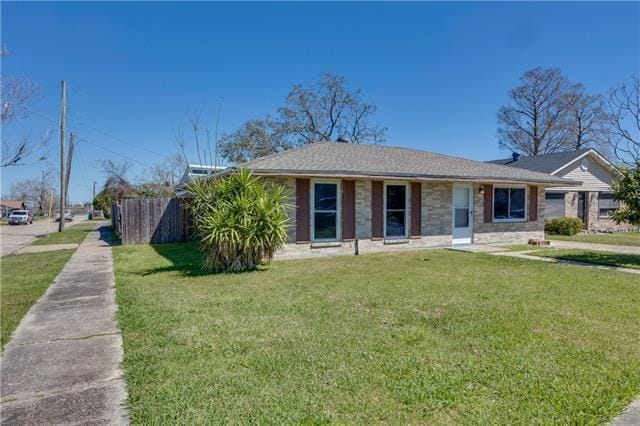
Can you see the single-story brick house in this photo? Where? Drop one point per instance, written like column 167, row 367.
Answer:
column 591, row 201
column 389, row 197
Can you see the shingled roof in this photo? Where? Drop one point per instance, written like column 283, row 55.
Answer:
column 345, row 159
column 545, row 163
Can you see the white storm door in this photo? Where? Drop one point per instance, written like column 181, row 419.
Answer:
column 462, row 214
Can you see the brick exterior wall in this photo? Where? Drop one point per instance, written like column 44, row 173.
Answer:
column 594, row 222
column 505, row 232
column 571, row 204
column 363, row 209
column 436, row 223
column 436, row 210
column 603, row 225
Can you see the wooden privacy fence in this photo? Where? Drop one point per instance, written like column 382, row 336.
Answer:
column 151, row 220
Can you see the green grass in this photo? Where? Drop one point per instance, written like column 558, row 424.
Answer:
column 23, row 279
column 591, row 256
column 430, row 337
column 621, row 238
column 71, row 234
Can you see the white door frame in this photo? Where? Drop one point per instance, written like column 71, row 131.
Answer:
column 465, row 236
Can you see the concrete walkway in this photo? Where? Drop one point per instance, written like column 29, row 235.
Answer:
column 62, row 364
column 630, row 416
column 594, row 246
column 524, row 255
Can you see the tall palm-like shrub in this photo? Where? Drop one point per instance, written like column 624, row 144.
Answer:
column 240, row 220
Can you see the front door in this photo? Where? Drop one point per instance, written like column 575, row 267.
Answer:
column 462, row 214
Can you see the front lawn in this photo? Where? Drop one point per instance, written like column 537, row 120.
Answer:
column 71, row 234
column 424, row 337
column 23, row 279
column 590, row 256
column 621, row 238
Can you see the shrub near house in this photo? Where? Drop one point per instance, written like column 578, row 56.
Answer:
column 240, row 220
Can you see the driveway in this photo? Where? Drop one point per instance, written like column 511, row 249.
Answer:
column 14, row 237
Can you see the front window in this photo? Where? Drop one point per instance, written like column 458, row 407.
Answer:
column 396, row 211
column 509, row 204
column 325, row 211
column 607, row 206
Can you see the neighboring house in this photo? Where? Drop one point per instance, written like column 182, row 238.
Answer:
column 6, row 207
column 398, row 197
column 592, row 201
column 194, row 171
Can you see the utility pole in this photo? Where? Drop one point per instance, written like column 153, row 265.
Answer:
column 94, row 192
column 72, row 139
column 63, row 118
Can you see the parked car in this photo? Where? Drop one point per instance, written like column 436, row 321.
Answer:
column 20, row 217
column 68, row 216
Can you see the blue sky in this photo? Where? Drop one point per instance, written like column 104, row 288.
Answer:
column 438, row 72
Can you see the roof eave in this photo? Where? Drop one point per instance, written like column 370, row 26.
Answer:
column 409, row 176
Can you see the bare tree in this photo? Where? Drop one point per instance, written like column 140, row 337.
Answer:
column 534, row 121
column 170, row 170
column 37, row 193
column 322, row 112
column 587, row 120
column 16, row 95
column 624, row 105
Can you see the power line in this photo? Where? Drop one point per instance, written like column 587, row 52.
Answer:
column 105, row 133
column 118, row 139
column 115, row 153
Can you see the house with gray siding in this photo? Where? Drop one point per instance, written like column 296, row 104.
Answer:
column 591, row 200
column 386, row 198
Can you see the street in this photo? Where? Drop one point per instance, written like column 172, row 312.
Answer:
column 12, row 237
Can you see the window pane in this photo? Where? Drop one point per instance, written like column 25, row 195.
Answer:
column 395, row 224
column 462, row 218
column 324, row 226
column 500, row 203
column 396, row 197
column 517, row 203
column 325, row 196
column 606, row 201
column 460, row 197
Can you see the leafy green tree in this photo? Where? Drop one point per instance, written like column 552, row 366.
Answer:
column 627, row 191
column 240, row 220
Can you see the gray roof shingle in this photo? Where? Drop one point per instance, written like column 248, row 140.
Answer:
column 335, row 158
column 545, row 163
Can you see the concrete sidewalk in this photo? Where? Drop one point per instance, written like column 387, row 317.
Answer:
column 525, row 255
column 595, row 246
column 62, row 364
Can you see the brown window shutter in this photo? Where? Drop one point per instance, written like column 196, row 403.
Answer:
column 302, row 210
column 533, row 203
column 488, row 203
column 348, row 209
column 416, row 209
column 376, row 209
